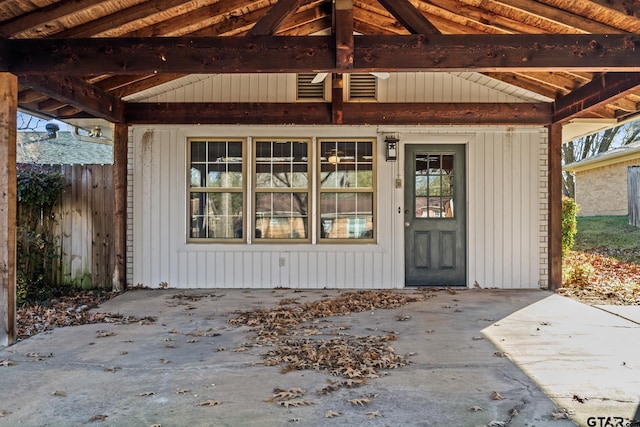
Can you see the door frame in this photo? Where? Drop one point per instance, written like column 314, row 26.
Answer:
column 398, row 206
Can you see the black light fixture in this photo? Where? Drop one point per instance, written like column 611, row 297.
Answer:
column 391, row 142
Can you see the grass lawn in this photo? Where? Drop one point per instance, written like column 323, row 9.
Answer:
column 604, row 266
column 612, row 232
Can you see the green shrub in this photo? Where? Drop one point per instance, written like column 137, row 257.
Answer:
column 569, row 224
column 39, row 188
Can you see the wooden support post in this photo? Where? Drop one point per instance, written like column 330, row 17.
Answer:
column 8, row 207
column 555, row 206
column 120, row 138
column 343, row 30
column 337, row 103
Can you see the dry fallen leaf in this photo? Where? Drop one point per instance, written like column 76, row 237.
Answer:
column 155, row 425
column 373, row 415
column 496, row 424
column 478, row 338
column 183, row 391
column 514, row 412
column 192, row 341
column 3, row 412
column 165, row 361
column 113, row 369
column 560, row 414
column 332, row 414
column 103, row 334
column 59, row 393
column 295, row 402
column 500, row 354
column 360, row 401
column 579, row 399
column 496, row 396
column 210, row 403
column 7, row 362
column 476, row 409
column 100, row 417
column 147, row 393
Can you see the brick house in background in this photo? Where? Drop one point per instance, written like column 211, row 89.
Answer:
column 601, row 181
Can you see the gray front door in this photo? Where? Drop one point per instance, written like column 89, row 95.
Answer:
column 434, row 217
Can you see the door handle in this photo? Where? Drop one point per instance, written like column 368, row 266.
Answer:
column 407, row 225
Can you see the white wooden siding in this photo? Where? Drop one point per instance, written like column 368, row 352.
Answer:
column 503, row 192
column 503, row 215
column 399, row 87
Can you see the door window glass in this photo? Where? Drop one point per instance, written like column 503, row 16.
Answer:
column 434, row 191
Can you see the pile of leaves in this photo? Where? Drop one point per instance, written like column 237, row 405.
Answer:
column 601, row 276
column 66, row 310
column 298, row 341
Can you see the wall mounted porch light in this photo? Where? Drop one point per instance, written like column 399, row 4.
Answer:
column 391, row 143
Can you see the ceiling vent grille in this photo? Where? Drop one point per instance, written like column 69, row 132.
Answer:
column 306, row 90
column 362, row 86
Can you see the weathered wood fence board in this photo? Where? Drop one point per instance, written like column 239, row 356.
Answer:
column 633, row 185
column 84, row 225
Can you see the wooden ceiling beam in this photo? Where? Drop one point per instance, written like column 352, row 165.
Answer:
column 489, row 52
column 409, row 16
column 170, row 55
column 354, row 113
column 471, row 113
column 77, row 93
column 602, row 90
column 275, row 17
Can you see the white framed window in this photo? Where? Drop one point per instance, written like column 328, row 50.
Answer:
column 284, row 194
column 346, row 185
column 216, row 181
column 281, row 190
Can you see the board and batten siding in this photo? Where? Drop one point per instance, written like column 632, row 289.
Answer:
column 504, row 199
column 399, row 87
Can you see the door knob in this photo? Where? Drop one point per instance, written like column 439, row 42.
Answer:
column 407, row 225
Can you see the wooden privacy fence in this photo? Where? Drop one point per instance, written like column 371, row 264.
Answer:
column 84, row 226
column 633, row 185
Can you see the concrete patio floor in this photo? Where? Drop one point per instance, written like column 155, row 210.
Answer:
column 558, row 354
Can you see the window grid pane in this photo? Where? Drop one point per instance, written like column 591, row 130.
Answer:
column 216, row 199
column 434, row 191
column 281, row 190
column 346, row 190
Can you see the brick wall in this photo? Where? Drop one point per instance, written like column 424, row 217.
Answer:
column 603, row 190
column 543, row 194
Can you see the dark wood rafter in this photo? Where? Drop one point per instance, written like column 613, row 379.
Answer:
column 76, row 92
column 48, row 13
column 603, row 89
column 274, row 18
column 513, row 53
column 409, row 16
column 115, row 20
column 353, row 113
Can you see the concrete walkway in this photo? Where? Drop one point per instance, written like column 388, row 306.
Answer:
column 143, row 374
